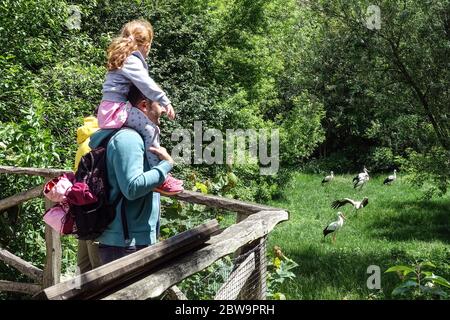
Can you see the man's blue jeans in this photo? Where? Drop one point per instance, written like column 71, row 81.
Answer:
column 111, row 253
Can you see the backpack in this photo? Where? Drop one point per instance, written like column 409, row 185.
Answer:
column 91, row 182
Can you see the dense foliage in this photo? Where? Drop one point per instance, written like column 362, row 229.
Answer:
column 386, row 89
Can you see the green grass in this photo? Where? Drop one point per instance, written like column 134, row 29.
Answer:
column 395, row 228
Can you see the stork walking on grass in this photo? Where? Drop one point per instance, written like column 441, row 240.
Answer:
column 356, row 204
column 333, row 227
column 361, row 179
column 328, row 178
column 391, row 178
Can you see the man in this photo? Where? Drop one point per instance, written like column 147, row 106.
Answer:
column 130, row 174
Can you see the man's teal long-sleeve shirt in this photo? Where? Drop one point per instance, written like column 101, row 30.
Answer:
column 130, row 173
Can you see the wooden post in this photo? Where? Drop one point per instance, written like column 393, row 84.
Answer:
column 52, row 270
column 261, row 270
column 174, row 293
column 239, row 217
column 256, row 285
column 256, row 288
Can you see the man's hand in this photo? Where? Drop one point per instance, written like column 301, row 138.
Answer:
column 170, row 112
column 162, row 154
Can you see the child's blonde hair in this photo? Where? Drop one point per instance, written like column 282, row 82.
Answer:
column 134, row 34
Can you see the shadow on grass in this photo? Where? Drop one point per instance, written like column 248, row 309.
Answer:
column 327, row 271
column 337, row 273
column 419, row 220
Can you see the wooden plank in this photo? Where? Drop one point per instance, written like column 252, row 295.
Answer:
column 23, row 266
column 188, row 196
column 222, row 203
column 231, row 288
column 20, row 197
column 52, row 270
column 227, row 242
column 244, row 208
column 43, row 172
column 95, row 282
column 28, row 288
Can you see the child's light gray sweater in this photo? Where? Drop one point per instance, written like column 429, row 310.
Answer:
column 134, row 71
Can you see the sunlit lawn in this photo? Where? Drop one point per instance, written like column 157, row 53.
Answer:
column 395, row 228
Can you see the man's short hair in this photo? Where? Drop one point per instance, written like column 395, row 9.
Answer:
column 135, row 96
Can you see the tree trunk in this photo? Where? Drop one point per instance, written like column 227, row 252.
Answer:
column 441, row 135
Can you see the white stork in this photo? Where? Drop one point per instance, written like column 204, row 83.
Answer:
column 328, row 178
column 361, row 179
column 334, row 226
column 391, row 178
column 356, row 204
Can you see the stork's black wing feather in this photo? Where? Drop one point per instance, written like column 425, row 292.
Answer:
column 337, row 203
column 365, row 202
column 326, row 231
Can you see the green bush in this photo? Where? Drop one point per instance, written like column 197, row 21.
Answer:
column 419, row 282
column 429, row 170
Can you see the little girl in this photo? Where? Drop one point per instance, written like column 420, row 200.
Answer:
column 127, row 67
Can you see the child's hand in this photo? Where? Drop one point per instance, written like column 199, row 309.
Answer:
column 170, row 112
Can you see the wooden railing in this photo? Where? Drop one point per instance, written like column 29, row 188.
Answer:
column 147, row 279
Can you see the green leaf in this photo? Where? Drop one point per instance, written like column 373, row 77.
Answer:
column 438, row 280
column 399, row 291
column 405, row 269
column 427, row 264
column 408, row 284
column 279, row 296
column 202, row 187
column 404, row 287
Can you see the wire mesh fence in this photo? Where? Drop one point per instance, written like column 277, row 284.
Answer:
column 241, row 276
